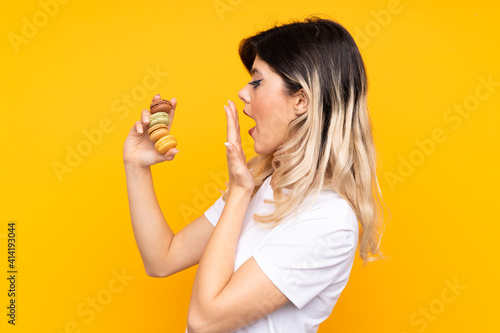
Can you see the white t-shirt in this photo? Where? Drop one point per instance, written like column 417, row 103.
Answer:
column 308, row 257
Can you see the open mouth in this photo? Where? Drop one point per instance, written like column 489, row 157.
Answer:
column 250, row 131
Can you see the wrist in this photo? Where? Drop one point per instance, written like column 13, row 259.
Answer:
column 134, row 167
column 239, row 194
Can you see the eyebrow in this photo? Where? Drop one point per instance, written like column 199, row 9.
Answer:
column 254, row 70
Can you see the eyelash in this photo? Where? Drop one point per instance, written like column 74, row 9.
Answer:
column 255, row 83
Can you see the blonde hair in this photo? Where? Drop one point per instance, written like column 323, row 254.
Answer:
column 330, row 146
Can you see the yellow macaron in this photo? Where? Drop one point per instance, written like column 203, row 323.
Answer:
column 158, row 131
column 165, row 143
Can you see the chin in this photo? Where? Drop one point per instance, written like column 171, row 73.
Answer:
column 263, row 150
column 257, row 148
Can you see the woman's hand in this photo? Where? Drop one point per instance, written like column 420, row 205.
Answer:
column 240, row 177
column 138, row 150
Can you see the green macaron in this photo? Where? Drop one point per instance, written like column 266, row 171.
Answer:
column 159, row 118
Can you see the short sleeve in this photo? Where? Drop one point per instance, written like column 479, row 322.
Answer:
column 214, row 212
column 311, row 252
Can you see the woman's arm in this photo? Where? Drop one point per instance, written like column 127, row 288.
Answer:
column 152, row 233
column 223, row 300
column 217, row 263
column 163, row 252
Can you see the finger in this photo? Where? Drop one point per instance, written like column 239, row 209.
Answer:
column 237, row 143
column 233, row 155
column 237, row 120
column 145, row 116
column 232, row 107
column 170, row 154
column 231, row 130
column 231, row 150
column 171, row 114
column 156, row 97
column 139, row 127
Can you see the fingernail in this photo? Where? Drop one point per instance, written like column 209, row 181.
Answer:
column 176, row 151
column 140, row 130
column 228, row 146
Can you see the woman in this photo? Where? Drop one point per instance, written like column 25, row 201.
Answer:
column 276, row 249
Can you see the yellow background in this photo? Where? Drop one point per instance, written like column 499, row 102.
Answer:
column 74, row 232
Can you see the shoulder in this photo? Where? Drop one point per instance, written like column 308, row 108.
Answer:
column 329, row 224
column 327, row 213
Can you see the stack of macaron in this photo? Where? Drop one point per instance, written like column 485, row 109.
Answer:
column 158, row 126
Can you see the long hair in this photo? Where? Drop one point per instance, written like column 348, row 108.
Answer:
column 330, row 146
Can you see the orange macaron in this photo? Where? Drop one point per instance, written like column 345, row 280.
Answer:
column 158, row 131
column 165, row 143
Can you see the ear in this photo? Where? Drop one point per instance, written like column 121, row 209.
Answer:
column 300, row 102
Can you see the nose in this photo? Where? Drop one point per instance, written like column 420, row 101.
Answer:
column 243, row 95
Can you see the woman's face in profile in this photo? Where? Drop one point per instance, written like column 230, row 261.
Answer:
column 269, row 106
